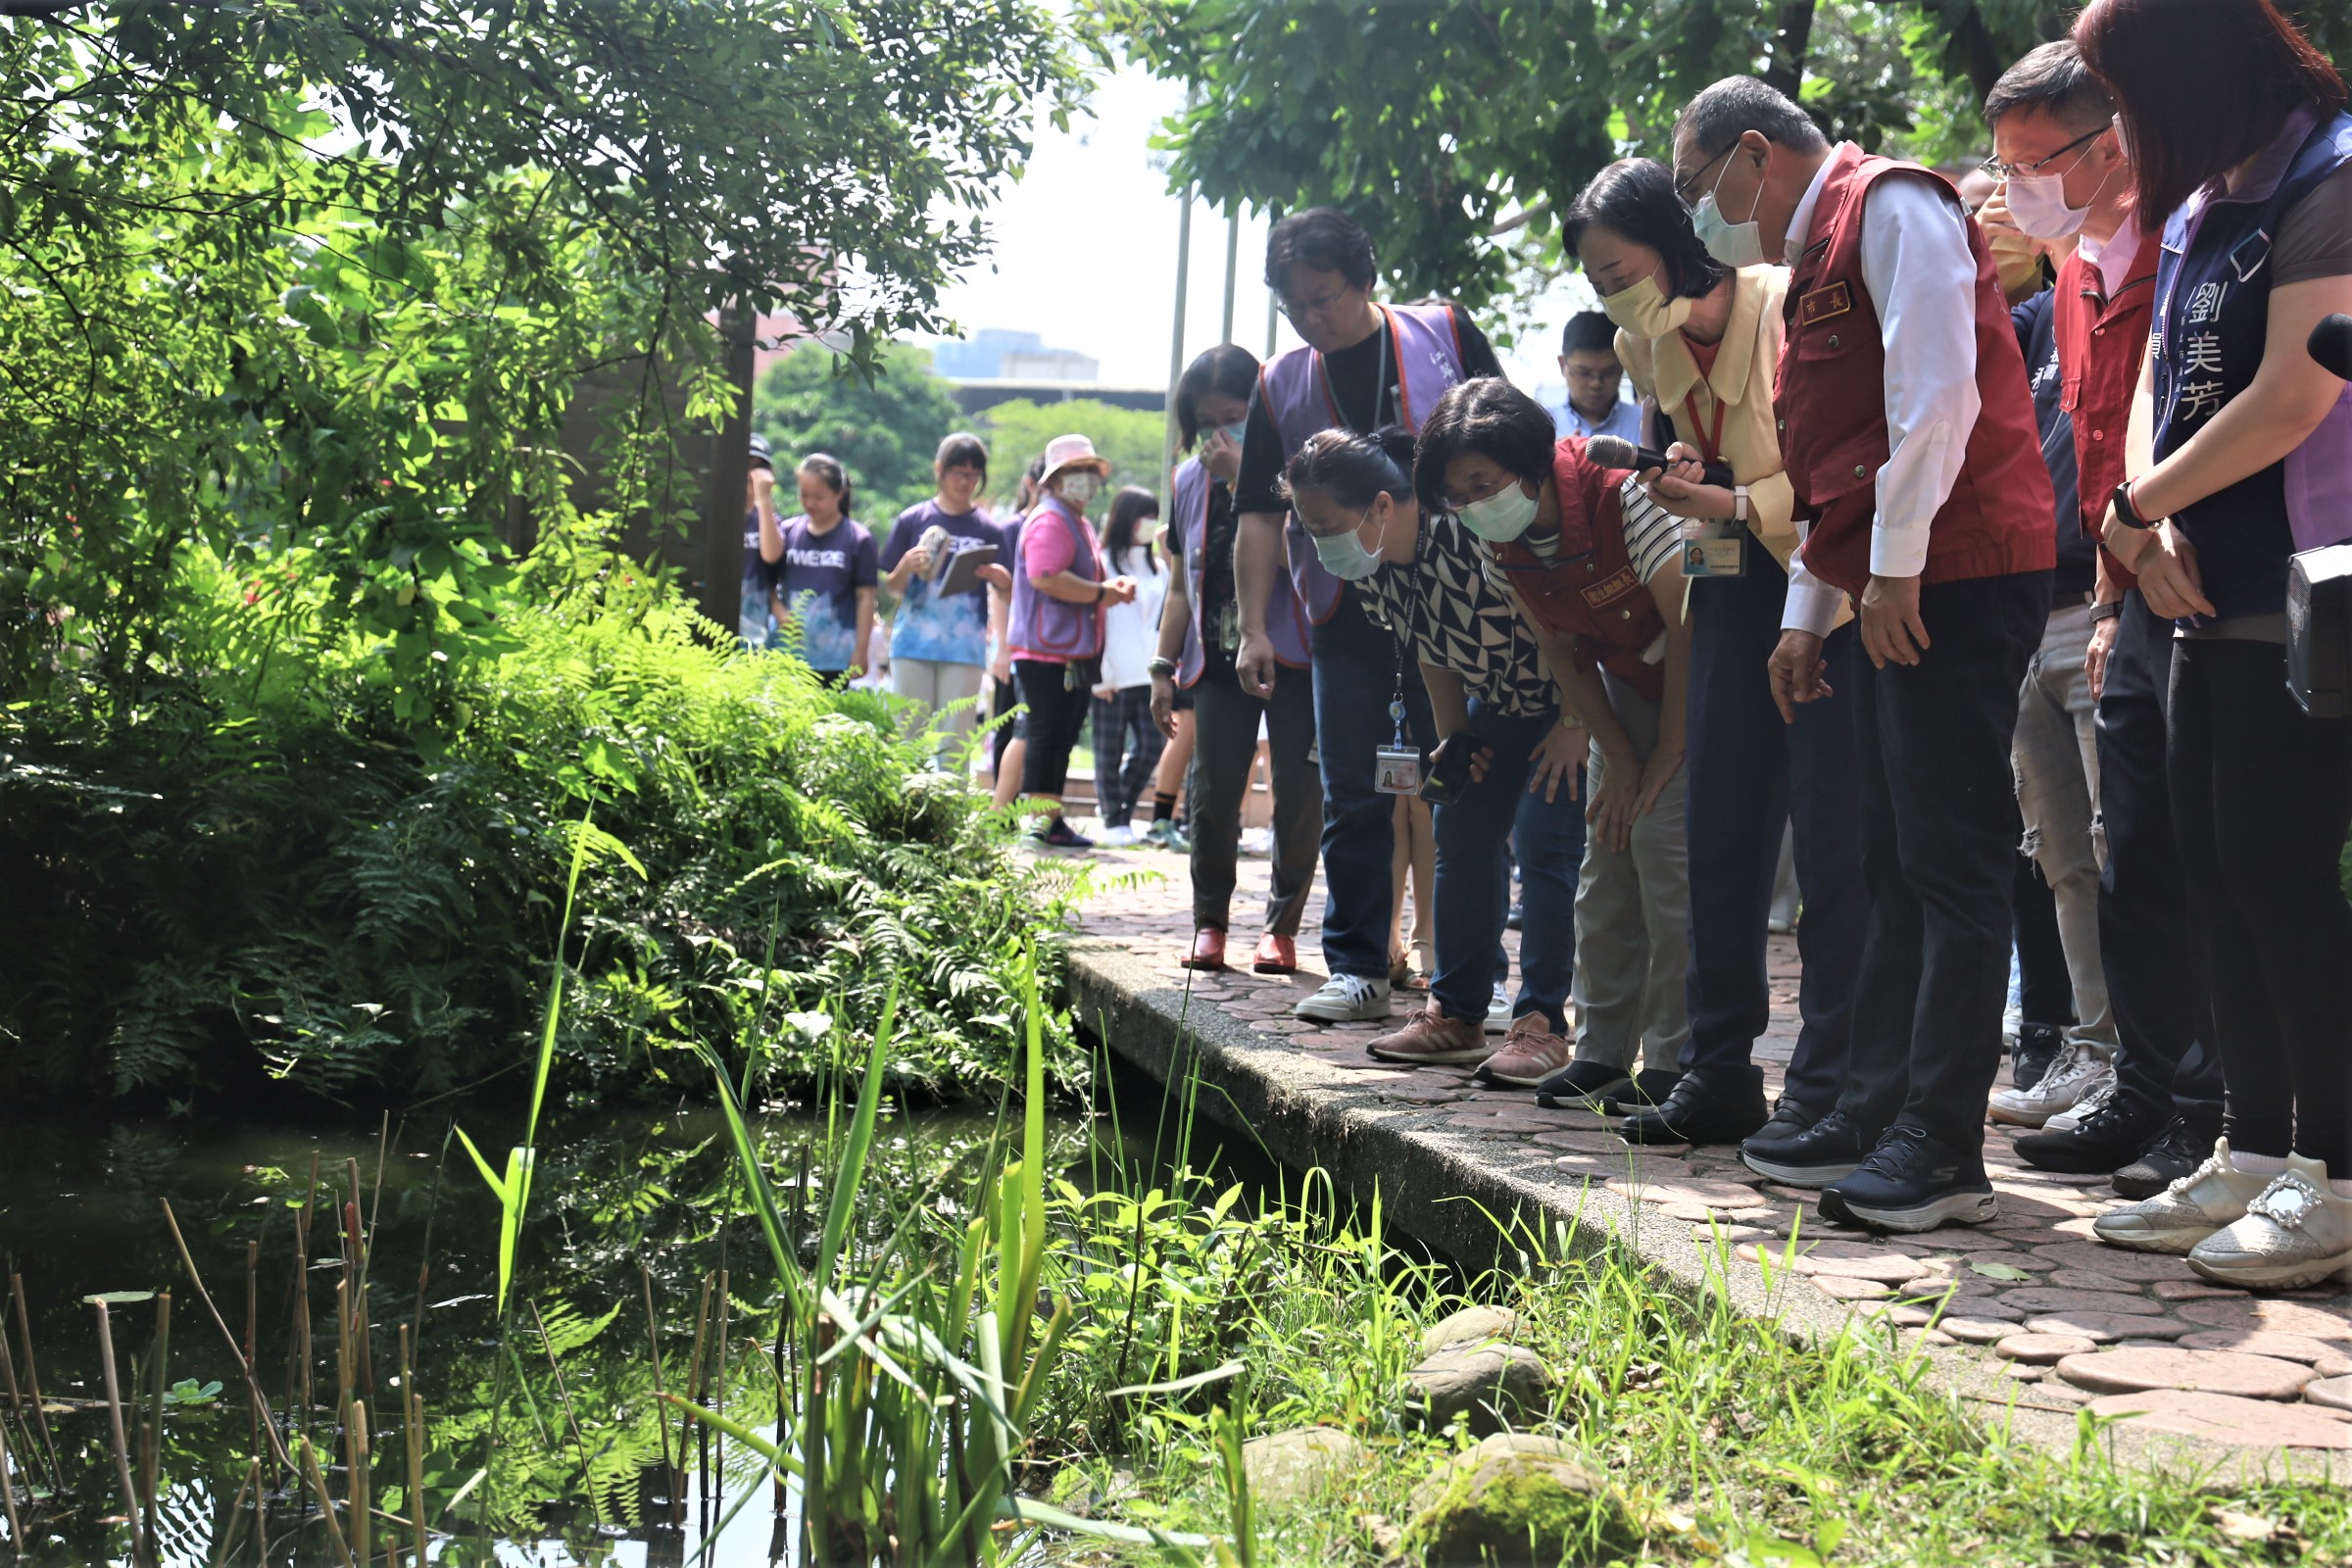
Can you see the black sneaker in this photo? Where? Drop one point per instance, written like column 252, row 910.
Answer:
column 1912, row 1182
column 1825, row 1151
column 1517, row 917
column 2174, row 1152
column 2038, row 1046
column 1059, row 834
column 1711, row 1105
column 2109, row 1137
column 1585, row 1083
column 1787, row 1119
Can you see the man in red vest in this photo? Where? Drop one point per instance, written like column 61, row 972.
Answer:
column 1908, row 432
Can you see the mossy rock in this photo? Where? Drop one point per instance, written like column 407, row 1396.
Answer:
column 1289, row 1467
column 1472, row 1325
column 1494, row 1386
column 1519, row 1502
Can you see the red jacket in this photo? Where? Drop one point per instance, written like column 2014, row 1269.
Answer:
column 2100, row 344
column 1587, row 591
column 1830, row 399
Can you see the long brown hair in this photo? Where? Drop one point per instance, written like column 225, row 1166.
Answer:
column 2200, row 85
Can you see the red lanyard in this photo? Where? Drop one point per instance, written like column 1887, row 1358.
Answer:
column 1711, row 441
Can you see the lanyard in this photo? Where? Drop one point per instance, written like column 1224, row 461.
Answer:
column 1712, row 440
column 1380, row 383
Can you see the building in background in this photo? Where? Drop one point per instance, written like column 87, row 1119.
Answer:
column 998, row 366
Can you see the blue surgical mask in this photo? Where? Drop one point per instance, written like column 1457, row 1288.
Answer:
column 1344, row 555
column 1502, row 517
column 1236, row 431
column 1734, row 245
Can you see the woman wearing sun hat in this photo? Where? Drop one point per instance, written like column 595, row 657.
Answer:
column 1056, row 633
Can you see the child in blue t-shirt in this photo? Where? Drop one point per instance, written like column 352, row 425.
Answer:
column 938, row 643
column 824, row 584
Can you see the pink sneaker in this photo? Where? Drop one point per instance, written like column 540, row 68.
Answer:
column 1531, row 1052
column 1429, row 1036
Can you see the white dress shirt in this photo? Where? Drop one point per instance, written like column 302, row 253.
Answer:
column 1921, row 279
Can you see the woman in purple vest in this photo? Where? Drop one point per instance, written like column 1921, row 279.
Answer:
column 1199, row 633
column 2240, row 456
column 1058, row 594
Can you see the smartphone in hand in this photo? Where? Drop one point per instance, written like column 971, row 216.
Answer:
column 1449, row 769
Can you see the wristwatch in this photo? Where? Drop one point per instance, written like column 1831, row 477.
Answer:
column 2107, row 609
column 2124, row 512
column 1161, row 666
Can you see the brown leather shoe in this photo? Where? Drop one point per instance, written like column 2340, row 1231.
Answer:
column 1276, row 956
column 1429, row 1036
column 1209, row 950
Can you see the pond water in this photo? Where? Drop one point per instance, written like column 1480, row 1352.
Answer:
column 632, row 1215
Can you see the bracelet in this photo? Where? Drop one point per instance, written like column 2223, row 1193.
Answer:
column 1740, row 504
column 1161, row 666
column 1101, row 589
column 2107, row 609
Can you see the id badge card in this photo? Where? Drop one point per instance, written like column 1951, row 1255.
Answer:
column 1229, row 631
column 1396, row 770
column 1715, row 548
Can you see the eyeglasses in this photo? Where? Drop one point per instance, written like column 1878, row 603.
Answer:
column 2000, row 171
column 1294, row 307
column 1682, row 186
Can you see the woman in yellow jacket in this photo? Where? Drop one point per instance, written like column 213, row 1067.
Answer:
column 1701, row 343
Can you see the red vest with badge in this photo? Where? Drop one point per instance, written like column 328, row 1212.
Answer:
column 1588, row 591
column 1829, row 395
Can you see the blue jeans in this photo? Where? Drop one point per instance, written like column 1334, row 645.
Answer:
column 1354, row 677
column 1750, row 773
column 1474, row 878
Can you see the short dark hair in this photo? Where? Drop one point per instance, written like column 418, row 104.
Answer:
column 2201, row 87
column 827, row 467
column 1487, row 417
column 1588, row 330
column 1633, row 199
column 1351, row 467
column 1129, row 507
column 963, row 450
column 1229, row 368
column 2053, row 81
column 1323, row 238
column 1729, row 108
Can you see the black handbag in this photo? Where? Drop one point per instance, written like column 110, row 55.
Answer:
column 2318, row 631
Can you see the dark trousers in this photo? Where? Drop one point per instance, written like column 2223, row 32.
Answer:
column 1750, row 773
column 1005, row 699
column 2165, row 1059
column 1474, row 835
column 2045, row 991
column 1127, row 748
column 1938, row 853
column 1225, row 723
column 1355, row 677
column 2262, row 796
column 1057, row 717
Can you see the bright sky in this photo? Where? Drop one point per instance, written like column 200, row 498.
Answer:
column 1112, row 293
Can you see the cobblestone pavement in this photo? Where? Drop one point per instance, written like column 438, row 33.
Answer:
column 2032, row 1295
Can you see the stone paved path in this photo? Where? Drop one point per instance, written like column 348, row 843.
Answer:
column 2033, row 1294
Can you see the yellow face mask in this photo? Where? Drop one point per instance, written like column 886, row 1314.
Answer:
column 1644, row 309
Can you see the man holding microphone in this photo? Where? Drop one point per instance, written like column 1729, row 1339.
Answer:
column 1909, row 437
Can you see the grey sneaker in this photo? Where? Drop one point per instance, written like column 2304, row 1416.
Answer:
column 1346, row 999
column 2101, row 1095
column 2080, row 1069
column 1499, row 1011
column 2296, row 1232
column 2214, row 1195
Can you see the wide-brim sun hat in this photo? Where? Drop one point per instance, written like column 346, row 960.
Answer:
column 1067, row 452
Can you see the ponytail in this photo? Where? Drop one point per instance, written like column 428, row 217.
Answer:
column 836, row 478
column 1351, row 467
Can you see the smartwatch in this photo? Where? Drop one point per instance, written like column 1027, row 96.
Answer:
column 2124, row 512
column 1161, row 666
column 2107, row 609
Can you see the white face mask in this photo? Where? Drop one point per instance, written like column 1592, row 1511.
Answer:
column 1078, row 488
column 1644, row 309
column 2037, row 203
column 1734, row 245
column 1502, row 517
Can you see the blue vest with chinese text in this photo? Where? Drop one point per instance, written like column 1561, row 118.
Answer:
column 2213, row 309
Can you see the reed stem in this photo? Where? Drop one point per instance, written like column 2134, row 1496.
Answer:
column 32, row 1381
column 412, row 1423
column 8, row 1498
column 141, row 1553
column 653, row 1343
column 326, row 1503
column 151, row 1451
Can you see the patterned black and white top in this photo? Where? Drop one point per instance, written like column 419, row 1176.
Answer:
column 1451, row 616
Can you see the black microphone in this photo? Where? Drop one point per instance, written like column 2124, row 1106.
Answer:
column 2331, row 343
column 1615, row 452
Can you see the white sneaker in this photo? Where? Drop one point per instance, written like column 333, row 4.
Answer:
column 2296, row 1232
column 2198, row 1206
column 2089, row 1106
column 1122, row 836
column 2077, row 1070
column 1498, row 1012
column 1346, row 999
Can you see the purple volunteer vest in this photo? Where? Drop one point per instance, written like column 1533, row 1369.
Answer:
column 1286, row 617
column 1043, row 623
column 1427, row 351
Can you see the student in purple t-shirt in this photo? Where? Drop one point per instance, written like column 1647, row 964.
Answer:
column 824, row 595
column 938, row 643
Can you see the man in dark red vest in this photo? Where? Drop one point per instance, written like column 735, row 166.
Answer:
column 1908, row 432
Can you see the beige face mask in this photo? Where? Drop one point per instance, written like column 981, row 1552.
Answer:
column 1644, row 309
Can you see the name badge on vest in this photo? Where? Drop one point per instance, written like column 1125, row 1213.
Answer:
column 1615, row 586
column 1396, row 770
column 1824, row 303
column 1714, row 547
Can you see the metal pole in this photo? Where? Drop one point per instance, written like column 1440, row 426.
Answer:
column 1184, row 273
column 1233, row 255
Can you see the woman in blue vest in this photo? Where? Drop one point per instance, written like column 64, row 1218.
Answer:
column 2241, row 457
column 1199, row 633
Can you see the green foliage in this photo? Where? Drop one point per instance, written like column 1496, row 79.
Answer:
column 885, row 430
column 1130, row 438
